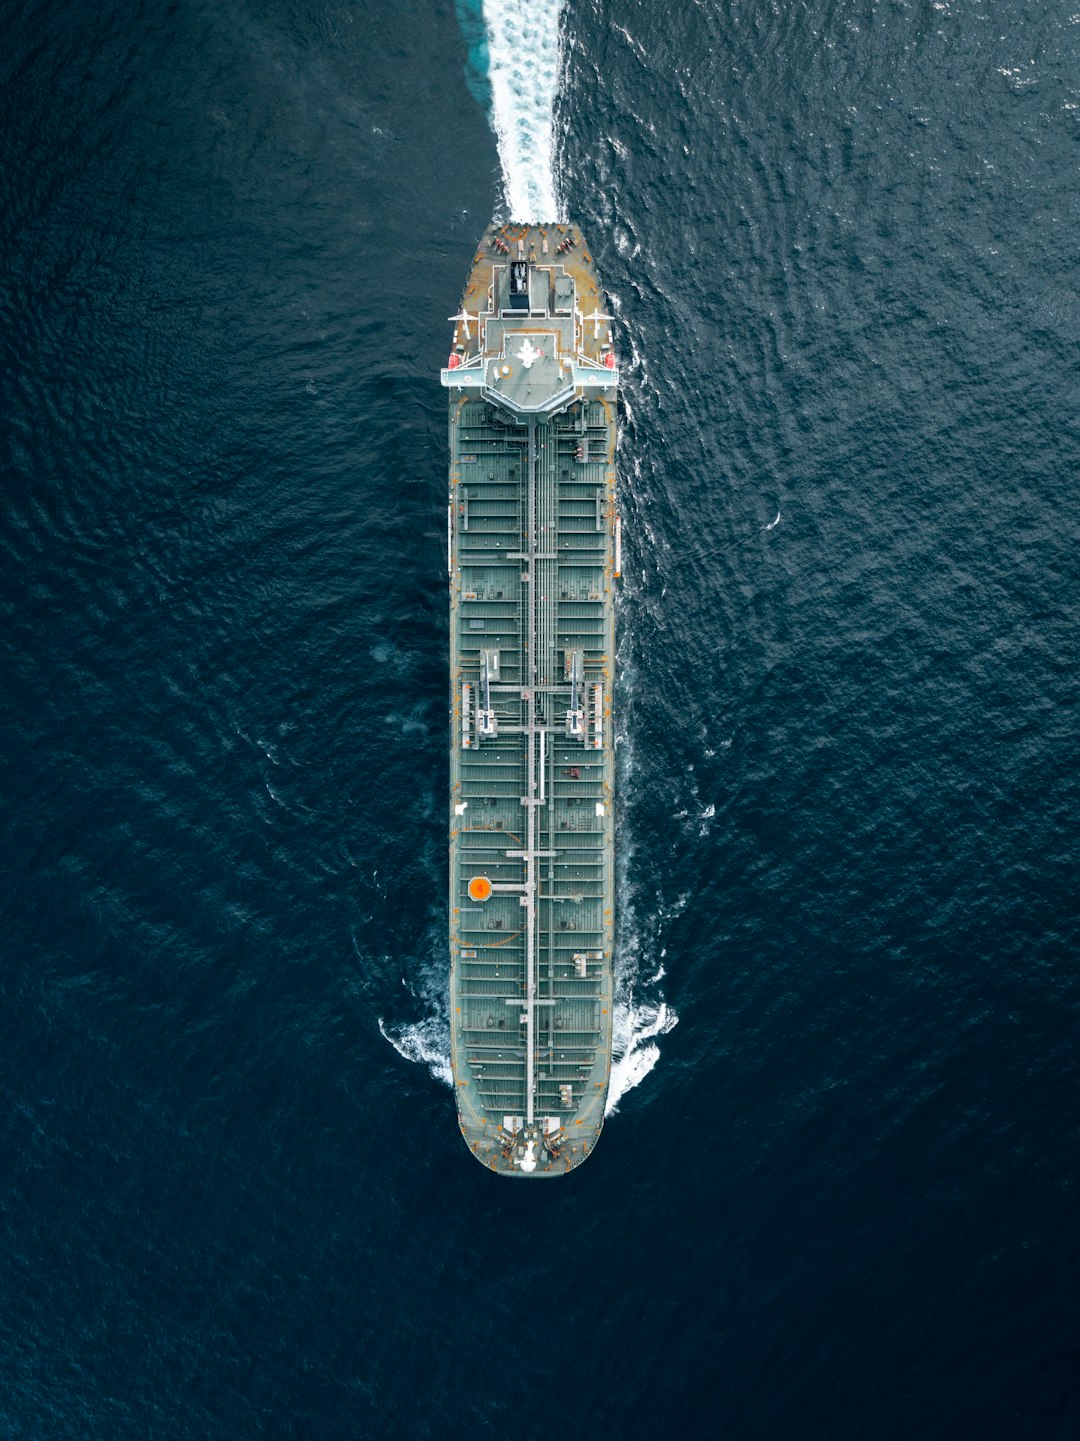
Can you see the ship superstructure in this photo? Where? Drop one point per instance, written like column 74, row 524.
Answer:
column 534, row 542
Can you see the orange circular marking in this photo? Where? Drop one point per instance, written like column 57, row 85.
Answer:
column 479, row 888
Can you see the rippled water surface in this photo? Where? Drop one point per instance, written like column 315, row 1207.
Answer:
column 840, row 241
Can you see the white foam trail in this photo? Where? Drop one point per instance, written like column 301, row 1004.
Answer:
column 634, row 1052
column 640, row 1014
column 426, row 1042
column 524, row 61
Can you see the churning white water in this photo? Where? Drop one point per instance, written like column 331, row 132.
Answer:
column 524, row 63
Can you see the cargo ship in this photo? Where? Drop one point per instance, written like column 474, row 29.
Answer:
column 534, row 549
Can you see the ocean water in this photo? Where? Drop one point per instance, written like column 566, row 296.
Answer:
column 840, row 241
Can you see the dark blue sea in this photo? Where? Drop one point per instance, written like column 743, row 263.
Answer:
column 841, row 243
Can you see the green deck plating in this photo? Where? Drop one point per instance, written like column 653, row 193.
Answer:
column 534, row 546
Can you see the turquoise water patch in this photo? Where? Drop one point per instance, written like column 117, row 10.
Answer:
column 470, row 14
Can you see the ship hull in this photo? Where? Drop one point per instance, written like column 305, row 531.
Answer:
column 533, row 538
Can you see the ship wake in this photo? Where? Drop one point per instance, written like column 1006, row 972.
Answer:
column 634, row 1052
column 422, row 1033
column 427, row 1042
column 524, row 66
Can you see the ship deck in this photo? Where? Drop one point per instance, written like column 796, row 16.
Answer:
column 532, row 530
